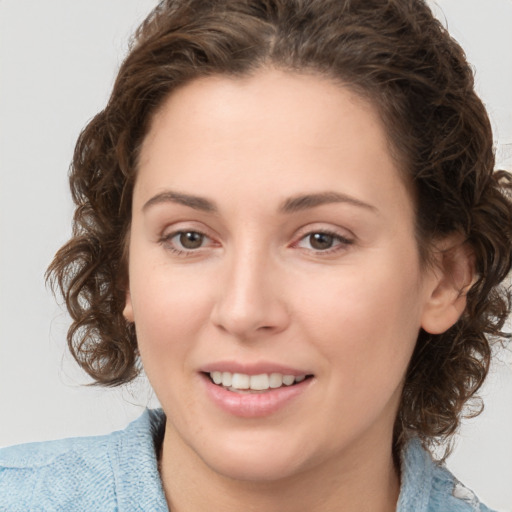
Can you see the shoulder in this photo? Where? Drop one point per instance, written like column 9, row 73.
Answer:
column 61, row 473
column 429, row 487
column 89, row 473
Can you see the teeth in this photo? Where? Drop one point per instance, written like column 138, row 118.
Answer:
column 276, row 380
column 240, row 381
column 227, row 379
column 262, row 382
column 288, row 379
column 259, row 382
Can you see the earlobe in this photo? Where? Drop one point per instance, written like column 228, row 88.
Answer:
column 128, row 308
column 451, row 280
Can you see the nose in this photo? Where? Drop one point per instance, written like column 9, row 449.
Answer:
column 250, row 300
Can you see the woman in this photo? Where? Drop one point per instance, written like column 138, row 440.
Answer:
column 287, row 213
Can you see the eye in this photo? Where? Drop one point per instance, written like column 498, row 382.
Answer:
column 189, row 239
column 182, row 242
column 323, row 241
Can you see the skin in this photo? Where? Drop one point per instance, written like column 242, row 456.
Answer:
column 257, row 289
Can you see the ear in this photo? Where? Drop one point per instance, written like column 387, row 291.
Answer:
column 452, row 277
column 128, row 308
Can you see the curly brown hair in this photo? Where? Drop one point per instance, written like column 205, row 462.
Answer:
column 395, row 54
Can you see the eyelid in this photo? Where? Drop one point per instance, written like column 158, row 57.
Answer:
column 340, row 235
column 319, row 227
column 183, row 226
column 173, row 230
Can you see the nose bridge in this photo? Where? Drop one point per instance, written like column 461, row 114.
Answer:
column 248, row 300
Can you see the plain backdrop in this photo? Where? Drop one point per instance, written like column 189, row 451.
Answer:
column 58, row 59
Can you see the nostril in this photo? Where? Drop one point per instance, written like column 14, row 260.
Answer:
column 245, row 312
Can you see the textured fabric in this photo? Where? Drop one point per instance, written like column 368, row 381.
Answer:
column 118, row 472
column 429, row 487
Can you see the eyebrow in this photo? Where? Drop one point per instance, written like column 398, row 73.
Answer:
column 304, row 202
column 195, row 202
column 293, row 204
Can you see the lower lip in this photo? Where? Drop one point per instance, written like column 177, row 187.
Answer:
column 254, row 405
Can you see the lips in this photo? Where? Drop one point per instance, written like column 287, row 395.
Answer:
column 252, row 391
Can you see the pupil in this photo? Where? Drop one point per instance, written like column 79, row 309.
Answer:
column 191, row 240
column 321, row 241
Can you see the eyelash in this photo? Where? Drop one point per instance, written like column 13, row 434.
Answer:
column 166, row 240
column 342, row 244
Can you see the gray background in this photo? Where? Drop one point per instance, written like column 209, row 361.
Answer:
column 57, row 63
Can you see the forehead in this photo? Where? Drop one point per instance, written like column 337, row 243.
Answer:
column 271, row 97
column 270, row 132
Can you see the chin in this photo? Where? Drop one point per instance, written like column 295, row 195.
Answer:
column 260, row 469
column 255, row 458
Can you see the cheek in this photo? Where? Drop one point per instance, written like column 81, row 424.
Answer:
column 365, row 327
column 170, row 309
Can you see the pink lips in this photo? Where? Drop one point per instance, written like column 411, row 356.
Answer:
column 253, row 369
column 253, row 405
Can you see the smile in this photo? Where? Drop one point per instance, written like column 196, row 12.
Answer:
column 241, row 382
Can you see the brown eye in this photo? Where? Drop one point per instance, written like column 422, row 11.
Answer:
column 321, row 241
column 324, row 242
column 191, row 239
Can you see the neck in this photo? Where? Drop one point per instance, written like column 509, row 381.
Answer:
column 361, row 479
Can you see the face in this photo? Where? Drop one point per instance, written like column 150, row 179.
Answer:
column 272, row 247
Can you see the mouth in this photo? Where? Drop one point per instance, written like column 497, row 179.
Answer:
column 248, row 384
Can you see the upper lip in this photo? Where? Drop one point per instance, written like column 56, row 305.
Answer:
column 253, row 368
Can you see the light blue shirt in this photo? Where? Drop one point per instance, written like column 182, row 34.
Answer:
column 119, row 472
